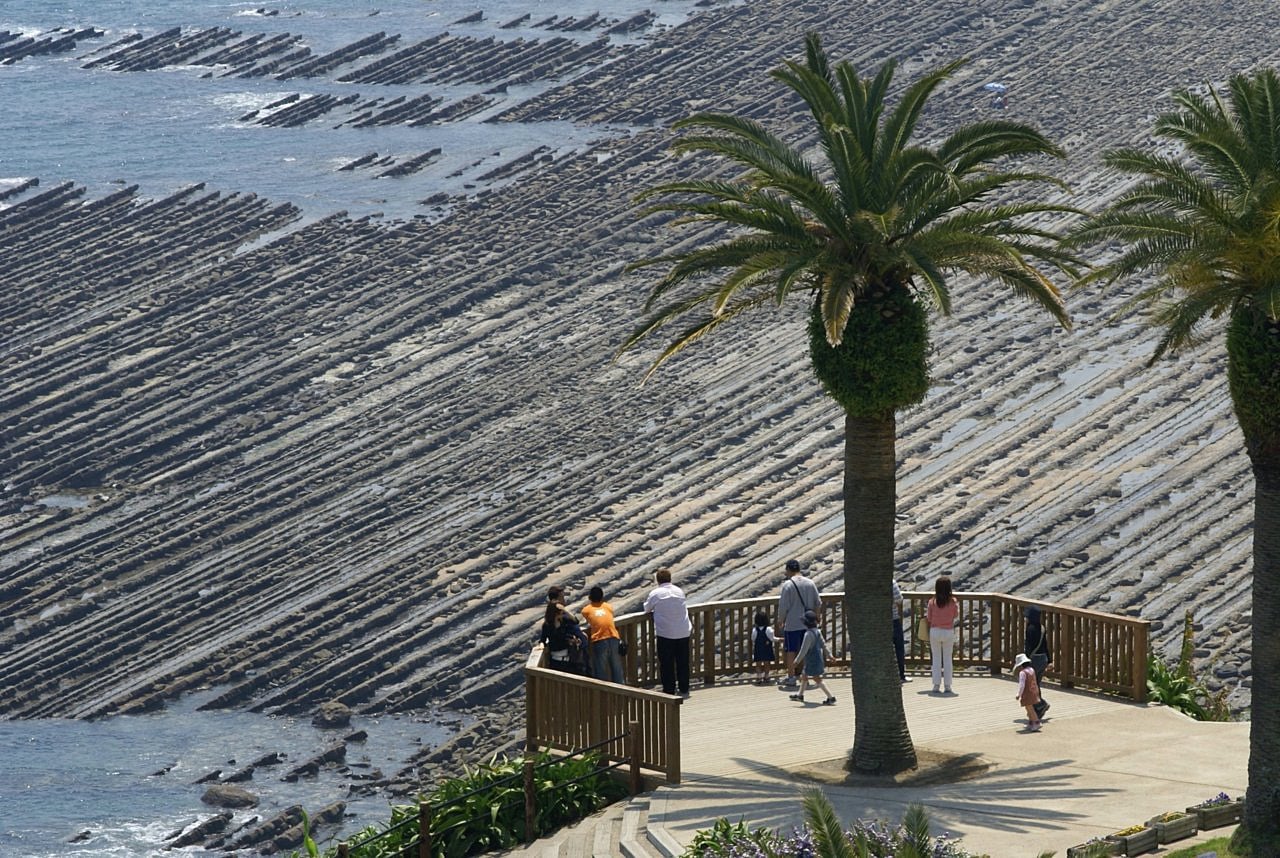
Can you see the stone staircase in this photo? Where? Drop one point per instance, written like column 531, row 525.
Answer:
column 620, row 829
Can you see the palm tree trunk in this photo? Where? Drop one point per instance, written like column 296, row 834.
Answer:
column 881, row 740
column 1262, row 807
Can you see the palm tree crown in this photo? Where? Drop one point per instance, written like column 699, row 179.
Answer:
column 870, row 212
column 1207, row 220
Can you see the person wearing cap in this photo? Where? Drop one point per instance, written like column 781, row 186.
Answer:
column 1028, row 690
column 812, row 658
column 798, row 595
column 671, row 625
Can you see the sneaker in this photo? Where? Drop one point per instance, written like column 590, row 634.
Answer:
column 830, row 701
column 936, row 690
column 1044, row 708
column 799, row 697
column 788, row 682
column 1033, row 727
column 905, row 680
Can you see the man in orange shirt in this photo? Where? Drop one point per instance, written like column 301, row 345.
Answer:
column 606, row 661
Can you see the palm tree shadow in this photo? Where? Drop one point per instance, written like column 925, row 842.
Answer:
column 1016, row 799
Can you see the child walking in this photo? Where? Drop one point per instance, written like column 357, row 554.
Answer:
column 762, row 640
column 812, row 654
column 1028, row 690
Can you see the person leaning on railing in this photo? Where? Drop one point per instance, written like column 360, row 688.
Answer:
column 666, row 602
column 606, row 660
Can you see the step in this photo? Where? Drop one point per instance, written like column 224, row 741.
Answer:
column 659, row 840
column 632, row 840
column 608, row 831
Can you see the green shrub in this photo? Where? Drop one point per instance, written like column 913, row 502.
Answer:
column 1177, row 686
column 483, row 810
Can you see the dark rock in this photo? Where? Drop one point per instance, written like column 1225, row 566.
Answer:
column 81, row 837
column 224, row 795
column 201, row 831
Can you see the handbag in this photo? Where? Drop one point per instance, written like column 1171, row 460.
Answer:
column 922, row 630
column 622, row 648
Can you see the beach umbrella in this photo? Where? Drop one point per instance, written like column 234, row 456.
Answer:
column 997, row 88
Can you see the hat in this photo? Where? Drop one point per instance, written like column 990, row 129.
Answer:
column 793, row 565
column 811, row 619
column 1019, row 660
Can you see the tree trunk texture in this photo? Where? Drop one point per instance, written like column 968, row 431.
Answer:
column 881, row 739
column 1262, row 807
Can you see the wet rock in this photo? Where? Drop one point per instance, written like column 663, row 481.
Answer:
column 201, row 831
column 332, row 716
column 224, row 795
column 81, row 837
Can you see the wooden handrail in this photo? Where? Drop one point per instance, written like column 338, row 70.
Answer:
column 1091, row 649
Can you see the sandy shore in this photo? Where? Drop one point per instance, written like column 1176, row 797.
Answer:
column 347, row 463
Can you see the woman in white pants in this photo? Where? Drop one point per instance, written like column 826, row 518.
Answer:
column 941, row 614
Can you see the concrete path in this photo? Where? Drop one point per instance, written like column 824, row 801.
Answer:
column 1099, row 764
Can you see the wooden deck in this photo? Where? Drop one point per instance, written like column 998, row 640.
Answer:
column 1099, row 765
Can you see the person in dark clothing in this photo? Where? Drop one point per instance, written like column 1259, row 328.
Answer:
column 1037, row 649
column 559, row 633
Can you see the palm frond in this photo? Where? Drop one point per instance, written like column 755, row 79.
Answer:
column 915, row 825
column 901, row 122
column 827, row 831
column 836, row 300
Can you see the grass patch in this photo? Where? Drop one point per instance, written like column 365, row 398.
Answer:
column 1220, row 845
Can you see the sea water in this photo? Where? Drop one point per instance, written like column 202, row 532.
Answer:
column 129, row 781
column 168, row 128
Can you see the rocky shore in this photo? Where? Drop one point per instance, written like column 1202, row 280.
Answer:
column 302, row 460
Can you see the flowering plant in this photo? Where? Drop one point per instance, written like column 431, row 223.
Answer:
column 1132, row 829
column 1169, row 816
column 1220, row 798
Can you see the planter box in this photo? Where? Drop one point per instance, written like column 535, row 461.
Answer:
column 1217, row 815
column 1176, row 829
column 1098, row 847
column 1141, row 843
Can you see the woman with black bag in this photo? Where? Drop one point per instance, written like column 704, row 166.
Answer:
column 1037, row 649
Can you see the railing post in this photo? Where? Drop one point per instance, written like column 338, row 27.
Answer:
column 424, row 830
column 997, row 635
column 343, row 851
column 709, row 647
column 673, row 742
column 1141, row 641
column 530, row 802
column 633, row 756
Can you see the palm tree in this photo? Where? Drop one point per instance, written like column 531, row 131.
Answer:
column 866, row 229
column 1206, row 224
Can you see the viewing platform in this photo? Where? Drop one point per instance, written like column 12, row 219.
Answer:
column 1104, row 761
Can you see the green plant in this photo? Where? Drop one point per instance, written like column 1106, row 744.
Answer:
column 724, row 837
column 1177, row 685
column 483, row 810
column 1220, row 846
column 822, row 836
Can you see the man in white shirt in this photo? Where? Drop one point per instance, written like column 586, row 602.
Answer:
column 672, row 626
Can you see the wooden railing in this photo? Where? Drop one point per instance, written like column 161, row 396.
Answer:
column 1090, row 649
column 564, row 711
